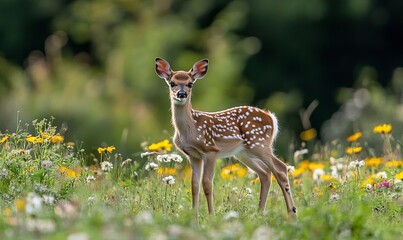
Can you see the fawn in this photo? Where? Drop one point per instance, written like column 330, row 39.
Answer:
column 247, row 133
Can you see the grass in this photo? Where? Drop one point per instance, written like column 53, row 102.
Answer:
column 53, row 189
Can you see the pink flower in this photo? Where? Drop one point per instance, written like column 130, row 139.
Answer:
column 384, row 183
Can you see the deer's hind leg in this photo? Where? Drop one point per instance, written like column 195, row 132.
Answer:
column 264, row 174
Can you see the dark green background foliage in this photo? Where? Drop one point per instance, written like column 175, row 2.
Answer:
column 90, row 64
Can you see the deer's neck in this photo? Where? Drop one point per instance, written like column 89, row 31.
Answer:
column 182, row 118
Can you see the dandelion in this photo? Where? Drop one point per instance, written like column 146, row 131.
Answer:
column 151, row 166
column 383, row 128
column 4, row 139
column 308, row 135
column 106, row 166
column 354, row 137
column 170, row 180
column 163, row 145
column 353, row 150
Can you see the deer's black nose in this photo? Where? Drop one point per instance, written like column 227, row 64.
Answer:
column 182, row 94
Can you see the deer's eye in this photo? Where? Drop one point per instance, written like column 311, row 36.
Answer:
column 190, row 85
column 172, row 84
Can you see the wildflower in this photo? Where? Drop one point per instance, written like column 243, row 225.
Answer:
column 166, row 171
column 356, row 164
column 299, row 153
column 327, row 178
column 126, row 162
column 234, row 170
column 353, row 150
column 176, row 158
column 163, row 145
column 33, row 203
column 71, row 173
column 57, row 139
column 381, row 175
column 373, row 162
column 34, row 140
column 383, row 128
column 314, row 165
column 298, row 171
column 164, row 158
column 399, row 176
column 109, row 149
column 248, row 192
column 394, row 163
column 317, row 173
column 151, row 166
column 384, row 183
column 308, row 135
column 369, row 187
column 354, row 137
column 20, row 205
column 145, row 154
column 4, row 173
column 334, row 197
column 106, row 166
column 169, row 180
column 290, row 169
column 66, row 209
column 48, row 199
column 90, row 178
column 4, row 139
column 46, row 164
column 231, row 215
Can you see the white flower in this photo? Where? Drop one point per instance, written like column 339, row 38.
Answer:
column 48, row 199
column 381, row 175
column 356, row 164
column 298, row 154
column 145, row 154
column 369, row 187
column 248, row 192
column 34, row 203
column 164, row 158
column 47, row 164
column 90, row 178
column 169, row 180
column 151, row 166
column 290, row 169
column 176, row 158
column 334, row 197
column 317, row 173
column 126, row 162
column 106, row 166
column 231, row 215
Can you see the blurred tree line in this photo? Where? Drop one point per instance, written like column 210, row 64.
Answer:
column 90, row 64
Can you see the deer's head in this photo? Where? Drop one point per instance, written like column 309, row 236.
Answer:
column 180, row 82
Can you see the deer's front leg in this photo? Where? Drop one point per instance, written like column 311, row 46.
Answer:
column 208, row 176
column 196, row 165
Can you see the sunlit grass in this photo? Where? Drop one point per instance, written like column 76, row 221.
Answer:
column 51, row 190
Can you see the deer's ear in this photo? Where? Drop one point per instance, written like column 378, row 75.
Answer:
column 162, row 68
column 199, row 69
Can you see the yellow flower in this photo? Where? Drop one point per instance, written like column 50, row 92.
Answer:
column 327, row 178
column 110, row 149
column 298, row 171
column 369, row 180
column 383, row 128
column 373, row 162
column 7, row 212
column 394, row 163
column 45, row 136
column 308, row 135
column 20, row 205
column 315, row 165
column 399, row 176
column 31, row 139
column 165, row 144
column 71, row 173
column 3, row 139
column 166, row 171
column 256, row 180
column 101, row 150
column 353, row 150
column 57, row 139
column 354, row 137
column 234, row 170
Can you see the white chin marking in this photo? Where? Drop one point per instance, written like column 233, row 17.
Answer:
column 179, row 101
